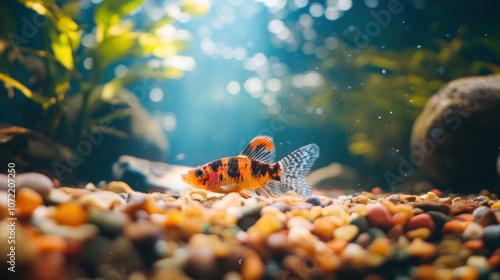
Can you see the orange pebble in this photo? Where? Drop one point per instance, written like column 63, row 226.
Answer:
column 337, row 245
column 150, row 206
column 494, row 261
column 424, row 272
column 377, row 190
column 253, row 267
column 49, row 243
column 70, row 214
column 455, row 226
column 437, row 192
column 400, row 218
column 173, row 218
column 475, row 244
column 466, row 217
column 495, row 206
column 323, row 228
column 27, row 200
column 381, row 246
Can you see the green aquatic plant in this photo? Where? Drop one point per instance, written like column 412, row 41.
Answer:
column 68, row 77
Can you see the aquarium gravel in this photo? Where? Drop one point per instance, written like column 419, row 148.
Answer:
column 113, row 232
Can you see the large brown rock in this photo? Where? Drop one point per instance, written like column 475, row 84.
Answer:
column 456, row 139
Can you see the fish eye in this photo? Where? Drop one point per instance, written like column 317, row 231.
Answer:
column 199, row 173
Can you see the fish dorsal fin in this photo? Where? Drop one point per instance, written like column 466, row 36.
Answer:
column 261, row 148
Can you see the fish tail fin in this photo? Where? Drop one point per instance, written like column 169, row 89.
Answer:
column 296, row 166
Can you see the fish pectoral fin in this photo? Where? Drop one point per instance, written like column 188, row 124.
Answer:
column 261, row 148
column 270, row 189
column 247, row 193
column 229, row 188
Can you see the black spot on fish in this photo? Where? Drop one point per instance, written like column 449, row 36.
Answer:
column 233, row 170
column 274, row 172
column 255, row 166
column 215, row 164
column 259, row 168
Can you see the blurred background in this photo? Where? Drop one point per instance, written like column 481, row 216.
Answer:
column 186, row 82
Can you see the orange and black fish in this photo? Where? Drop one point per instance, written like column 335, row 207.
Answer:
column 254, row 171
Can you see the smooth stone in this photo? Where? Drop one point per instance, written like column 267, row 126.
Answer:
column 57, row 196
column 282, row 206
column 422, row 249
column 229, row 200
column 479, row 212
column 454, row 226
column 301, row 206
column 247, row 216
column 479, row 262
column 302, row 238
column 117, row 187
column 488, row 218
column 353, row 250
column 361, row 222
column 323, row 228
column 27, row 200
column 346, row 232
column 439, row 219
column 381, row 246
column 400, row 218
column 314, row 200
column 104, row 200
column 449, row 261
column 473, row 231
column 70, row 213
column 422, row 233
column 420, row 221
column 491, row 236
column 376, row 233
column 299, row 221
column 432, row 206
column 379, row 216
column 495, row 206
column 394, row 198
column 110, row 223
column 36, row 181
column 364, row 239
column 253, row 267
column 466, row 273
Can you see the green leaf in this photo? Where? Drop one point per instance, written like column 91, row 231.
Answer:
column 106, row 93
column 118, row 114
column 110, row 13
column 113, row 48
column 61, row 47
column 11, row 82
